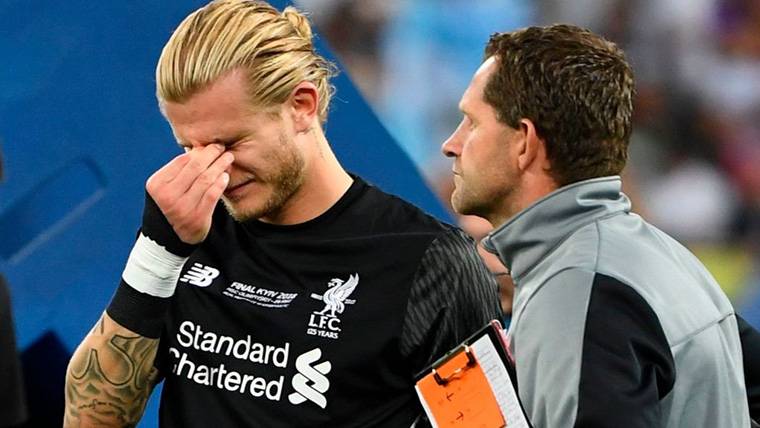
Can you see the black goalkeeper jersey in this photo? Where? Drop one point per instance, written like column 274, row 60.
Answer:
column 320, row 324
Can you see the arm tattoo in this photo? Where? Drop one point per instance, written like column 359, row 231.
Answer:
column 110, row 377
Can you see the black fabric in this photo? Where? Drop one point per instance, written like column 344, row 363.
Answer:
column 44, row 364
column 376, row 239
column 139, row 312
column 626, row 366
column 751, row 351
column 12, row 402
column 440, row 318
column 157, row 227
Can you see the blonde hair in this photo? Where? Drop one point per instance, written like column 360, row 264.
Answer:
column 274, row 49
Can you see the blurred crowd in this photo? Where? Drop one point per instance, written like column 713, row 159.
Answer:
column 694, row 167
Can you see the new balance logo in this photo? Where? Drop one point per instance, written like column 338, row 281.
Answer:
column 310, row 382
column 199, row 275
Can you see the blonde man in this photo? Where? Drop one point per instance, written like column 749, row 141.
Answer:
column 313, row 298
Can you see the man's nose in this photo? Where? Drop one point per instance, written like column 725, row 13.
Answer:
column 451, row 147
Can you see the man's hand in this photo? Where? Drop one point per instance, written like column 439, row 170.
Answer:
column 188, row 188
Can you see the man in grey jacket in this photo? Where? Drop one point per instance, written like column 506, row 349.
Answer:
column 614, row 323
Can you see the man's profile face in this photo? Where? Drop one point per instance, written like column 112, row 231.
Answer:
column 484, row 171
column 268, row 167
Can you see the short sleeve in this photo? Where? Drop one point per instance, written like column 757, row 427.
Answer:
column 453, row 296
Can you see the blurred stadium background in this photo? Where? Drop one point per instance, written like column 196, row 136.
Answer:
column 694, row 166
column 80, row 132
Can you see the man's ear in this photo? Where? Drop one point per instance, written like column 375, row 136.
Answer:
column 532, row 150
column 304, row 105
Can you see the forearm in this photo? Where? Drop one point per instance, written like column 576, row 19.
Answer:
column 111, row 374
column 110, row 377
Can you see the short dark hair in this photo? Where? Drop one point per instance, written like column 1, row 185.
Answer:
column 577, row 89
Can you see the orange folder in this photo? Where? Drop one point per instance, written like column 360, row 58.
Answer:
column 472, row 385
column 457, row 394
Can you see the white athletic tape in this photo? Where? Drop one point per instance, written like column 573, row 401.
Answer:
column 151, row 269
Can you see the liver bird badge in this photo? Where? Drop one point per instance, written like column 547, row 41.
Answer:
column 336, row 296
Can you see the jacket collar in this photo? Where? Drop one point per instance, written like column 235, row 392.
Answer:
column 523, row 241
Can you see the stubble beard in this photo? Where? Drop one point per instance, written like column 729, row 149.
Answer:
column 463, row 203
column 486, row 205
column 284, row 183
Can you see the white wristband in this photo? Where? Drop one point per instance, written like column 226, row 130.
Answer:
column 151, row 269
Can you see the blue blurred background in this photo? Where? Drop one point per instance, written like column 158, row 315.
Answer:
column 80, row 132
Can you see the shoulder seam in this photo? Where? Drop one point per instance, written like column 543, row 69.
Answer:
column 598, row 246
column 697, row 332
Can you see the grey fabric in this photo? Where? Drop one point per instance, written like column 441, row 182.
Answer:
column 556, row 246
column 548, row 383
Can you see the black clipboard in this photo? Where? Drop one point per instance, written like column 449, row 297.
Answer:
column 493, row 330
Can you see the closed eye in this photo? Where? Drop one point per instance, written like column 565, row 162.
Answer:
column 228, row 143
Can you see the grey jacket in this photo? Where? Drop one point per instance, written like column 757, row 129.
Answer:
column 615, row 324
